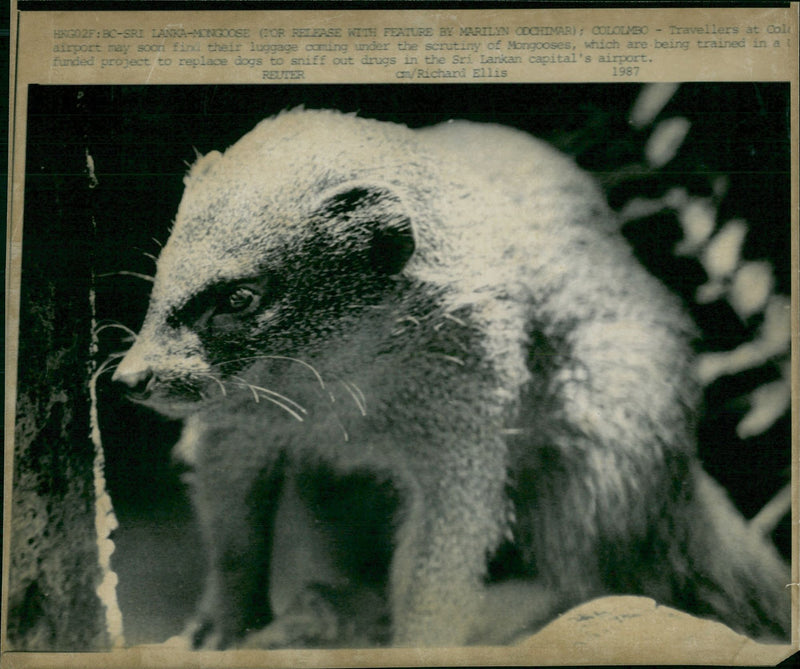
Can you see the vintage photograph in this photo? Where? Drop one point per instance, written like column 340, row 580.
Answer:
column 374, row 365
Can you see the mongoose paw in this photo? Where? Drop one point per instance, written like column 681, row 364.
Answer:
column 327, row 616
column 200, row 634
column 311, row 621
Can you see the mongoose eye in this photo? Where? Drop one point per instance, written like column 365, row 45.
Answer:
column 238, row 300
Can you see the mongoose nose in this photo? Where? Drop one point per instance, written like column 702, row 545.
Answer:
column 138, row 380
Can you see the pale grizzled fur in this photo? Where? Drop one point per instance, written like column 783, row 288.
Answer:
column 497, row 401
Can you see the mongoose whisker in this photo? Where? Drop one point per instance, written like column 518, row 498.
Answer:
column 275, row 357
column 123, row 272
column 120, row 326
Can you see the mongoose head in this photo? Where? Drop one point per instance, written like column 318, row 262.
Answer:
column 281, row 246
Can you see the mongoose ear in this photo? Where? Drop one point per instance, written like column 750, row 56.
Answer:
column 378, row 213
column 201, row 166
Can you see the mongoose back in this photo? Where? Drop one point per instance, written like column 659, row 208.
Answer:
column 423, row 381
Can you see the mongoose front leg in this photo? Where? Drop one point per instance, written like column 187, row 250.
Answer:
column 302, row 570
column 320, row 595
column 235, row 508
column 453, row 521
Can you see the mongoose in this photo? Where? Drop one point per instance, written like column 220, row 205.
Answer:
column 429, row 395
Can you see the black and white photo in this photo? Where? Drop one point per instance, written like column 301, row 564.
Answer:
column 379, row 365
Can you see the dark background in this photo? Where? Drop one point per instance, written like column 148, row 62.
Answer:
column 141, row 138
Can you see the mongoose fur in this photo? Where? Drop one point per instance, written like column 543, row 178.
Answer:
column 424, row 380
